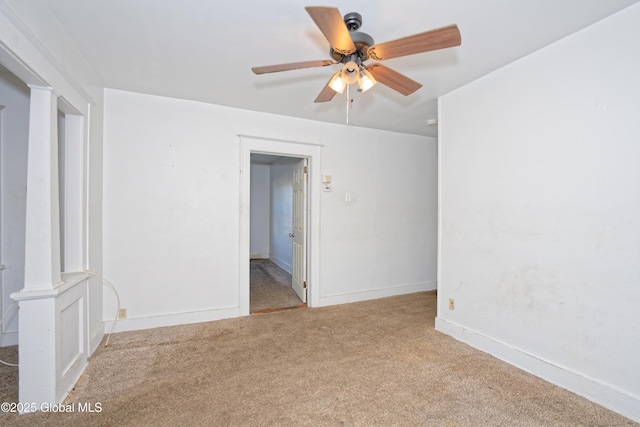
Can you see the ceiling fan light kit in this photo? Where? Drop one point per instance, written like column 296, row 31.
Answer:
column 352, row 48
column 337, row 83
column 350, row 72
column 366, row 80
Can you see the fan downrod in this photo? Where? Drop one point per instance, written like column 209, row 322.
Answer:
column 353, row 21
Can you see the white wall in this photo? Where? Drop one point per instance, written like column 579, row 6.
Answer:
column 540, row 213
column 260, row 210
column 14, row 125
column 172, row 195
column 282, row 212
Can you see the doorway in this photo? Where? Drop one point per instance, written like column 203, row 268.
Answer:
column 251, row 145
column 278, row 196
column 14, row 135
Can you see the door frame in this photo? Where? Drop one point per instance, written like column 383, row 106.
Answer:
column 276, row 147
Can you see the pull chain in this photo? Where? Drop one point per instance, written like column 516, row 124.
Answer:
column 348, row 103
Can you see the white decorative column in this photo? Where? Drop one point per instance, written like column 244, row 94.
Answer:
column 37, row 343
column 42, row 248
column 52, row 313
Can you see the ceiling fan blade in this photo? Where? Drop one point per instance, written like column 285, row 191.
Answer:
column 332, row 25
column 291, row 66
column 393, row 79
column 439, row 38
column 326, row 94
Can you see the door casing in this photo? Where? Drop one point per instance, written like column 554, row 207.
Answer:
column 310, row 151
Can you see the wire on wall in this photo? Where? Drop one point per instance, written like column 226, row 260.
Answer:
column 105, row 282
column 115, row 291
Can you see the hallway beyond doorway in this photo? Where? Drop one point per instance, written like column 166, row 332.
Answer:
column 270, row 287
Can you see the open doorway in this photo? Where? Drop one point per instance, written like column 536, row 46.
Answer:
column 14, row 134
column 278, row 199
column 303, row 150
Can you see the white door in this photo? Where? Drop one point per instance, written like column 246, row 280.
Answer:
column 299, row 234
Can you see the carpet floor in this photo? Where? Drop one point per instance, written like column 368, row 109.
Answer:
column 270, row 287
column 372, row 363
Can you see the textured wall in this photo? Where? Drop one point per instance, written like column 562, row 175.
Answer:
column 540, row 208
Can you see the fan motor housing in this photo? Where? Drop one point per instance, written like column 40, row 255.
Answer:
column 362, row 41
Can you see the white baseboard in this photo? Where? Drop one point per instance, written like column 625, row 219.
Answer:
column 282, row 264
column 326, row 300
column 596, row 391
column 157, row 321
column 259, row 256
column 8, row 339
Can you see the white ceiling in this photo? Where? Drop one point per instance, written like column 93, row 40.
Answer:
column 204, row 49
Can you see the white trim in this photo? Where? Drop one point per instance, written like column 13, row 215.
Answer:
column 277, row 140
column 74, row 194
column 439, row 211
column 69, row 280
column 311, row 151
column 19, row 67
column 282, row 264
column 326, row 300
column 86, row 232
column 161, row 320
column 620, row 401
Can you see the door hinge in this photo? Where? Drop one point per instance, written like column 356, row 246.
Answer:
column 306, row 170
column 304, row 284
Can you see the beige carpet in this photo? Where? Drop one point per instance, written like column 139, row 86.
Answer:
column 373, row 363
column 270, row 287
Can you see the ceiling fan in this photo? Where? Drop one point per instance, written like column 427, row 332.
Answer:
column 353, row 48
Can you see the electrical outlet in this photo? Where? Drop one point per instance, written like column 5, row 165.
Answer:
column 122, row 313
column 452, row 304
